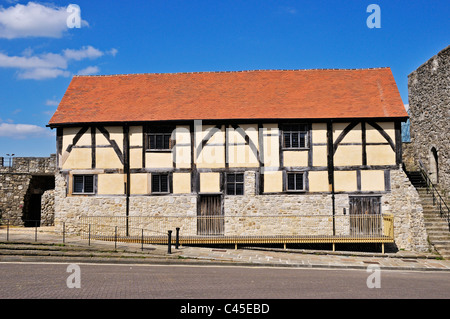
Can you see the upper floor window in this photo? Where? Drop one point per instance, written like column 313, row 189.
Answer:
column 295, row 136
column 235, row 184
column 83, row 184
column 159, row 138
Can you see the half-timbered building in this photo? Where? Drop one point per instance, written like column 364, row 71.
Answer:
column 263, row 154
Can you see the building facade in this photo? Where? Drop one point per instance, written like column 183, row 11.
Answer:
column 256, row 153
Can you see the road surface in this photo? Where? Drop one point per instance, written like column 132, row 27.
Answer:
column 188, row 284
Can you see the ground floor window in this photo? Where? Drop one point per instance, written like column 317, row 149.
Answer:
column 160, row 183
column 235, row 184
column 83, row 184
column 295, row 181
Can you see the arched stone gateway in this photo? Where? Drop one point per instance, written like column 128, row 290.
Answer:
column 22, row 185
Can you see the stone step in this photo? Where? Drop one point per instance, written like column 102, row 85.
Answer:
column 430, row 212
column 444, row 252
column 439, row 232
column 436, row 228
column 444, row 244
column 434, row 215
column 430, row 205
column 429, row 198
column 436, row 235
column 435, row 218
column 433, row 238
column 431, row 208
column 434, row 212
column 437, row 209
column 437, row 224
column 428, row 194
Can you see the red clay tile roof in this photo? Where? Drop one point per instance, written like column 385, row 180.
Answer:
column 263, row 94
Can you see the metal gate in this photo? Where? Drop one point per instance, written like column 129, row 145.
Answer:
column 210, row 219
column 365, row 215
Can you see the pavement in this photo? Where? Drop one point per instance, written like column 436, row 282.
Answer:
column 44, row 244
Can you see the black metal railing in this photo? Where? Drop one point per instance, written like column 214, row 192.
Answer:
column 438, row 201
column 29, row 224
column 120, row 233
column 92, row 232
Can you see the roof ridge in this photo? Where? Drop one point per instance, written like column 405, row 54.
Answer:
column 238, row 71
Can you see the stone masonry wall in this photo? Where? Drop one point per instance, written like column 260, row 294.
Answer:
column 246, row 215
column 48, row 208
column 429, row 104
column 404, row 203
column 167, row 212
column 13, row 188
column 15, row 183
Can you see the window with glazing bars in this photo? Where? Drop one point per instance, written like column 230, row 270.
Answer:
column 295, row 136
column 295, row 181
column 160, row 183
column 83, row 184
column 235, row 184
column 160, row 138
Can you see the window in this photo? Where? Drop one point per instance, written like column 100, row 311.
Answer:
column 159, row 138
column 83, row 184
column 295, row 181
column 160, row 183
column 235, row 184
column 295, row 136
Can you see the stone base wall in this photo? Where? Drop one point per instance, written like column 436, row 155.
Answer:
column 404, row 203
column 249, row 214
column 284, row 214
column 13, row 190
column 168, row 210
column 48, row 208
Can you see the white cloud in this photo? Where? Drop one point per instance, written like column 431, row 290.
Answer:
column 34, row 20
column 42, row 73
column 84, row 53
column 51, row 65
column 52, row 102
column 89, row 70
column 48, row 60
column 113, row 51
column 22, row 131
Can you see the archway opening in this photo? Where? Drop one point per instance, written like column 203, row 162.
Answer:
column 434, row 166
column 32, row 202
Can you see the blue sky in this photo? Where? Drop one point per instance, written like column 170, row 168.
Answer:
column 39, row 53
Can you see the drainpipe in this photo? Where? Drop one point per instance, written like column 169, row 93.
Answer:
column 126, row 166
column 331, row 169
